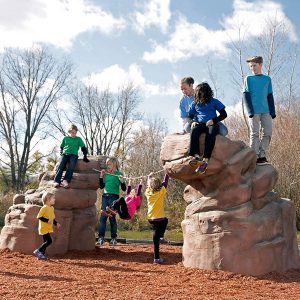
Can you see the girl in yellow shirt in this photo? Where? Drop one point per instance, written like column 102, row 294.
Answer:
column 46, row 218
column 155, row 193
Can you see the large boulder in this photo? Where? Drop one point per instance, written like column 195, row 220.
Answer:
column 234, row 221
column 75, row 210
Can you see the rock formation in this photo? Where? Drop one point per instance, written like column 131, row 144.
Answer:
column 233, row 221
column 75, row 210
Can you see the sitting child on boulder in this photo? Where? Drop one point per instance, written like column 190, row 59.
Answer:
column 69, row 151
column 128, row 206
column 205, row 120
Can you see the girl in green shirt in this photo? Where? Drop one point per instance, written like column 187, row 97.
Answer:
column 110, row 181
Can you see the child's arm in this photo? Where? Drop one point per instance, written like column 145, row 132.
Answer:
column 221, row 117
column 128, row 188
column 166, row 181
column 101, row 181
column 248, row 104
column 140, row 186
column 85, row 153
column 123, row 184
column 43, row 219
column 271, row 105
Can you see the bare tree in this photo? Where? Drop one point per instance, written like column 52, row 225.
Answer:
column 105, row 118
column 30, row 82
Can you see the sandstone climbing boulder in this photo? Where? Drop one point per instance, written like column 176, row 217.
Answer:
column 75, row 210
column 234, row 220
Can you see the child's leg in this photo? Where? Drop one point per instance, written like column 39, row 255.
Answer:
column 254, row 124
column 210, row 140
column 72, row 164
column 266, row 130
column 112, row 220
column 159, row 228
column 47, row 242
column 103, row 219
column 194, row 140
column 61, row 168
column 121, row 208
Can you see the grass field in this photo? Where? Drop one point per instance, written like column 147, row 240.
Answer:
column 172, row 235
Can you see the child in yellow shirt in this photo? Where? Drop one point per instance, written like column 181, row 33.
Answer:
column 46, row 218
column 155, row 193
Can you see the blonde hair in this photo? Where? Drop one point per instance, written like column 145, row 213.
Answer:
column 46, row 197
column 115, row 161
column 154, row 184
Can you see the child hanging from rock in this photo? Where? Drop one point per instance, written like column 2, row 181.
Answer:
column 128, row 206
column 155, row 194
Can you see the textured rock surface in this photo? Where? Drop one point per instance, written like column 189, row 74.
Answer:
column 74, row 209
column 233, row 220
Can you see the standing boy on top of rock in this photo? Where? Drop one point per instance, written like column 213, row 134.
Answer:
column 259, row 102
column 186, row 85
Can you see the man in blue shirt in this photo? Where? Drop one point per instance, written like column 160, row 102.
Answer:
column 259, row 103
column 186, row 85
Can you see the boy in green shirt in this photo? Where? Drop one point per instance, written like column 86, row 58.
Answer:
column 69, row 150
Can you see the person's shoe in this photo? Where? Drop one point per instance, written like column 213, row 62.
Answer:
column 194, row 160
column 37, row 253
column 100, row 241
column 110, row 210
column 113, row 242
column 43, row 256
column 163, row 241
column 56, row 184
column 261, row 161
column 105, row 213
column 202, row 168
column 158, row 261
column 65, row 184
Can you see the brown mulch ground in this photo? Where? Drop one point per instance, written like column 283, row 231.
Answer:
column 127, row 272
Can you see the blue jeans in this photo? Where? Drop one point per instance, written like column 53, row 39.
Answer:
column 66, row 158
column 107, row 200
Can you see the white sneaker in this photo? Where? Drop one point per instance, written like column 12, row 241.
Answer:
column 65, row 184
column 113, row 242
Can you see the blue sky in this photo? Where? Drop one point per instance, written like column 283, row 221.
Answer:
column 152, row 43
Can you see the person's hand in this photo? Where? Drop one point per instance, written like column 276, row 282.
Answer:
column 61, row 151
column 142, row 180
column 102, row 172
column 121, row 178
column 129, row 182
column 58, row 225
column 50, row 222
column 273, row 116
column 251, row 116
column 194, row 124
column 209, row 123
column 150, row 174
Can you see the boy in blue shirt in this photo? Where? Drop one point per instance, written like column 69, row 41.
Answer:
column 259, row 103
column 186, row 85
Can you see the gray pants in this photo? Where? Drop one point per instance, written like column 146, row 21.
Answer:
column 260, row 133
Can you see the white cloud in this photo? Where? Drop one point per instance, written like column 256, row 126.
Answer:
column 115, row 77
column 155, row 13
column 193, row 39
column 23, row 23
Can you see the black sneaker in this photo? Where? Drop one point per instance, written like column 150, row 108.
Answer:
column 261, row 161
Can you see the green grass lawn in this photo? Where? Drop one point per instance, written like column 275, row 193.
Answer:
column 172, row 235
